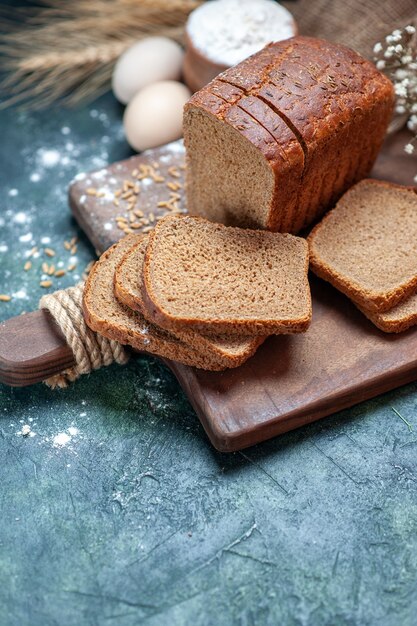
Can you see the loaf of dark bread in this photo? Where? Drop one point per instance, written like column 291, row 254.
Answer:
column 276, row 140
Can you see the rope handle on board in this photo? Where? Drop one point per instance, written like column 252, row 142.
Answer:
column 91, row 350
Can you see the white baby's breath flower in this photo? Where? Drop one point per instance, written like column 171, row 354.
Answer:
column 396, row 56
column 401, row 74
column 394, row 37
column 400, row 90
column 412, row 126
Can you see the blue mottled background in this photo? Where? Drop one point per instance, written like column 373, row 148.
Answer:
column 136, row 519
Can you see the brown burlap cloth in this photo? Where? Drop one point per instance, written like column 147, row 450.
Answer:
column 358, row 24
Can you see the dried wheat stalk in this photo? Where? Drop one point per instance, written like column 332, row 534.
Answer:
column 66, row 50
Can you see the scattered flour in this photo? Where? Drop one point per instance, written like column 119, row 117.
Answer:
column 100, row 175
column 49, row 158
column 30, row 253
column 65, row 130
column 20, row 218
column 35, row 177
column 26, row 238
column 176, row 146
column 20, row 295
column 63, row 439
column 100, row 161
column 3, row 247
column 13, row 192
column 26, row 431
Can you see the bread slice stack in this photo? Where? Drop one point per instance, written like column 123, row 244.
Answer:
column 367, row 248
column 199, row 293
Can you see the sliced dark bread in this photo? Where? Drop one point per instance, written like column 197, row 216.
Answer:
column 105, row 315
column 367, row 245
column 208, row 277
column 244, row 170
column 233, row 350
column 396, row 320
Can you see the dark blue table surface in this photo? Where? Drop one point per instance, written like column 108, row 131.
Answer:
column 119, row 511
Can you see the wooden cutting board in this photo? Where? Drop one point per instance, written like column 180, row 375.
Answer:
column 292, row 380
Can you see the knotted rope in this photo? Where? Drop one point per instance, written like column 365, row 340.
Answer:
column 91, row 351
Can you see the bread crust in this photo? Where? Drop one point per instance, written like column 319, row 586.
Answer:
column 334, row 102
column 396, row 320
column 238, row 326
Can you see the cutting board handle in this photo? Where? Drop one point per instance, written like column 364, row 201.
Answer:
column 32, row 348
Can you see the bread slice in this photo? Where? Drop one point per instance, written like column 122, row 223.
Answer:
column 233, row 351
column 212, row 278
column 105, row 315
column 396, row 320
column 367, row 245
